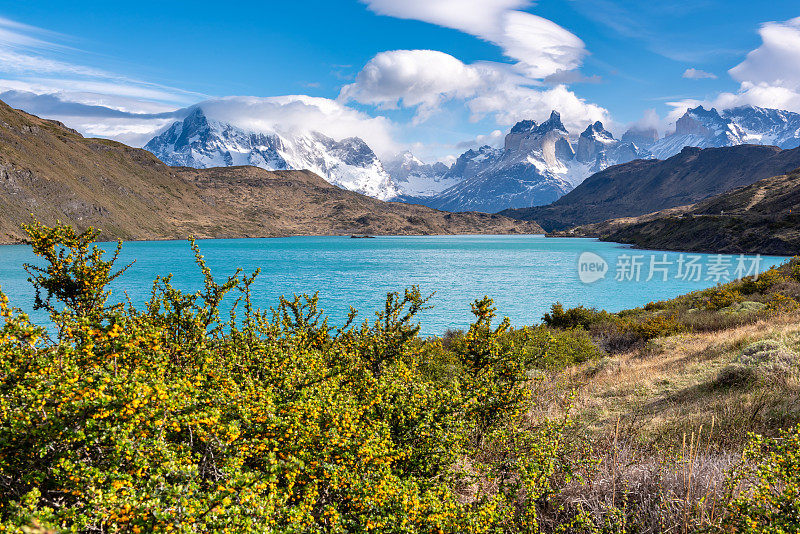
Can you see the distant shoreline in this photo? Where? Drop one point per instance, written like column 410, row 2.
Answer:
column 4, row 243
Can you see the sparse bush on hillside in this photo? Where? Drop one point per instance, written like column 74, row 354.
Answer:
column 763, row 360
column 574, row 317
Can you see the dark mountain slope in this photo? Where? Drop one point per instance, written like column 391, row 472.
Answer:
column 763, row 217
column 645, row 186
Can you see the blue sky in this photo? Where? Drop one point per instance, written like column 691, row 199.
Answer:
column 435, row 76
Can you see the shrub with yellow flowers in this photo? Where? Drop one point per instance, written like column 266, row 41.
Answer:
column 169, row 418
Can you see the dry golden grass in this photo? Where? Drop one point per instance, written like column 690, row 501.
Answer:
column 669, row 388
column 663, row 430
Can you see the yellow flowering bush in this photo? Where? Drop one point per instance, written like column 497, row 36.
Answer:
column 168, row 418
column 764, row 492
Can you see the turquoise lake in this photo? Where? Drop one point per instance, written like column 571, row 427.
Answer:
column 523, row 274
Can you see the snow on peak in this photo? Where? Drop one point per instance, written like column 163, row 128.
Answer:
column 200, row 142
column 703, row 128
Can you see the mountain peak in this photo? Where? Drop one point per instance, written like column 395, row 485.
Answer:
column 197, row 142
column 523, row 126
column 553, row 123
column 596, row 129
column 640, row 136
column 700, row 111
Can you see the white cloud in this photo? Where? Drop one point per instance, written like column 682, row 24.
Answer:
column 777, row 61
column 27, row 64
column 650, row 119
column 511, row 103
column 697, row 74
column 761, row 94
column 571, row 76
column 422, row 79
column 426, row 79
column 495, row 139
column 540, row 46
column 770, row 75
column 304, row 113
column 476, row 17
column 87, row 113
column 682, row 106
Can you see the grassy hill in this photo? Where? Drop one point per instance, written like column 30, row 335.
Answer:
column 53, row 173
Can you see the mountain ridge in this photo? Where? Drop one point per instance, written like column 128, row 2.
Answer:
column 202, row 142
column 50, row 172
column 537, row 164
column 644, row 186
column 521, row 174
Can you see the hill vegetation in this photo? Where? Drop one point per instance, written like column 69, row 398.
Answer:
column 172, row 418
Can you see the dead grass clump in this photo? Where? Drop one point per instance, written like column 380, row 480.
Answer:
column 635, row 486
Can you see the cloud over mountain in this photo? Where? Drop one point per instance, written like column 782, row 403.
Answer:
column 768, row 77
column 426, row 79
column 302, row 113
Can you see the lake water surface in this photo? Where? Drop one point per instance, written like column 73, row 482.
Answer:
column 524, row 274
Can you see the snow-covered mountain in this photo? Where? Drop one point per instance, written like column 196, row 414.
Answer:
column 201, row 142
column 413, row 178
column 541, row 162
column 704, row 128
column 537, row 164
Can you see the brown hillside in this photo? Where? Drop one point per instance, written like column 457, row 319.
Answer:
column 763, row 217
column 52, row 172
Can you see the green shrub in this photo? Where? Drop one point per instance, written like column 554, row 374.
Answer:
column 654, row 326
column 169, row 419
column 716, row 320
column 721, row 297
column 765, row 281
column 779, row 303
column 574, row 317
column 746, row 307
column 547, row 348
column 764, row 493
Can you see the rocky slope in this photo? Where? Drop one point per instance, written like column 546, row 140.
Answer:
column 645, row 186
column 202, row 142
column 537, row 165
column 763, row 217
column 51, row 172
